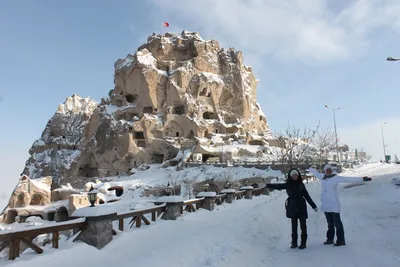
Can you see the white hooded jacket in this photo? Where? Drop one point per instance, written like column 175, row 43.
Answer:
column 329, row 195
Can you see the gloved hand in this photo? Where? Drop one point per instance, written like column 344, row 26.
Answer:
column 316, row 209
column 367, row 179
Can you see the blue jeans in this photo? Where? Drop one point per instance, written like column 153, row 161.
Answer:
column 334, row 221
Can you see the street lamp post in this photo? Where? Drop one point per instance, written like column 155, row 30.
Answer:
column 334, row 124
column 383, row 142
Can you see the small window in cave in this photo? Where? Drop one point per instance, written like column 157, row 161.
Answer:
column 177, row 134
column 216, row 130
column 59, row 147
column 63, row 136
column 138, row 135
column 209, row 116
column 130, row 98
column 179, row 110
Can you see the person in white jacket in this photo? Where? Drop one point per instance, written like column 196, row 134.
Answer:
column 330, row 202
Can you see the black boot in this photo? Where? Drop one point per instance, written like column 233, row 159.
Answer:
column 339, row 243
column 294, row 241
column 328, row 242
column 303, row 242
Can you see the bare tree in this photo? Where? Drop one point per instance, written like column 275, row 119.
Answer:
column 175, row 179
column 294, row 144
column 188, row 184
column 324, row 142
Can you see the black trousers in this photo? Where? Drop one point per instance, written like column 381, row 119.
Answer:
column 303, row 226
column 334, row 221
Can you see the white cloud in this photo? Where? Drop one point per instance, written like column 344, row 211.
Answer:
column 306, row 30
column 369, row 136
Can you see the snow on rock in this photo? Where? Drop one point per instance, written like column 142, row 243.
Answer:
column 207, row 194
column 246, row 188
column 170, row 199
column 35, row 224
column 229, row 190
column 105, row 209
column 77, row 104
column 58, row 147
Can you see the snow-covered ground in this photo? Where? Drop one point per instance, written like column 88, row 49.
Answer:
column 254, row 233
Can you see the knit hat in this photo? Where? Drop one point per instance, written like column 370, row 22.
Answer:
column 294, row 171
column 327, row 167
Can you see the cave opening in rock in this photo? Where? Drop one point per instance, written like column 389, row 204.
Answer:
column 148, row 110
column 87, row 171
column 205, row 157
column 205, row 92
column 209, row 116
column 61, row 214
column 51, row 216
column 157, row 158
column 178, row 110
column 256, row 143
column 191, row 134
column 130, row 98
column 138, row 135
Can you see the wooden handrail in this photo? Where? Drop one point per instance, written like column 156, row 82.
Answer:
column 139, row 212
column 193, row 201
column 61, row 226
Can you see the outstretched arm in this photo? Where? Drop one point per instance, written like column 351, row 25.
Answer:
column 308, row 198
column 277, row 186
column 347, row 179
column 316, row 174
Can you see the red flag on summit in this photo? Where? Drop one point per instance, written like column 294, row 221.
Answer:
column 166, row 24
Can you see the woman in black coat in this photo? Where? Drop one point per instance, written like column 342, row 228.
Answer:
column 296, row 207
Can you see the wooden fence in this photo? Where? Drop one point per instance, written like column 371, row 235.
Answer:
column 12, row 239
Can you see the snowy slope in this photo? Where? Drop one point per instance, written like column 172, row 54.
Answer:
column 255, row 233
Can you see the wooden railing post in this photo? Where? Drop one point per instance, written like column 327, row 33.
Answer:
column 55, row 238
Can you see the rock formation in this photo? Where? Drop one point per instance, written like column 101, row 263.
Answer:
column 31, row 192
column 61, row 140
column 173, row 93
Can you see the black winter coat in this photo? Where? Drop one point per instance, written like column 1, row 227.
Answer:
column 296, row 206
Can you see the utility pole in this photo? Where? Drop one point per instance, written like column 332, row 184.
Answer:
column 334, row 124
column 383, row 143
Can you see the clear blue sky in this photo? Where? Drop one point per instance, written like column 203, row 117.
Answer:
column 305, row 54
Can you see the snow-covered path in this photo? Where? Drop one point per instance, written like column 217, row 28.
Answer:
column 255, row 233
